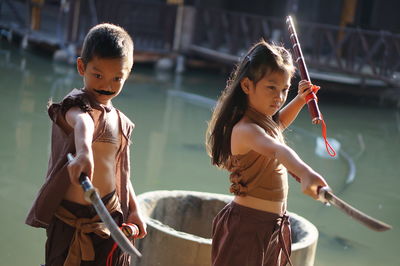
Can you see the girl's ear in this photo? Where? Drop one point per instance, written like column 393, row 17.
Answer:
column 245, row 84
column 80, row 66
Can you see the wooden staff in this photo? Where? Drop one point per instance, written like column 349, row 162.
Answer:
column 311, row 99
column 316, row 116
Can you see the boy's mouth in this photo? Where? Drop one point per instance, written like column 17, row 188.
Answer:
column 103, row 92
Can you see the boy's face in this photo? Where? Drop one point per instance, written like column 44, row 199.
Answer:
column 104, row 77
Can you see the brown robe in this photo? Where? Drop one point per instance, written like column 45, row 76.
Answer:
column 57, row 179
column 245, row 236
column 61, row 238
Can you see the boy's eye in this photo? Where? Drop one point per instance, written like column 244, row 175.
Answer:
column 117, row 79
column 98, row 76
column 271, row 87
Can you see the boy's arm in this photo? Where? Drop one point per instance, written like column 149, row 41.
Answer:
column 83, row 126
column 289, row 113
column 135, row 216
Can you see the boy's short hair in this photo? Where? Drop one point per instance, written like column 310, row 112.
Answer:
column 107, row 41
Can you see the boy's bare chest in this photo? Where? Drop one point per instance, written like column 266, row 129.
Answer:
column 110, row 135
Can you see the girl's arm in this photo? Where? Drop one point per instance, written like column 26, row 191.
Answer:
column 135, row 216
column 252, row 137
column 289, row 113
column 83, row 126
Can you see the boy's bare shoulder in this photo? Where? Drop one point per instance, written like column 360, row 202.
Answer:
column 125, row 119
column 75, row 98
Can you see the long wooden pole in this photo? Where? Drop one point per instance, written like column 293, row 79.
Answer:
column 316, row 116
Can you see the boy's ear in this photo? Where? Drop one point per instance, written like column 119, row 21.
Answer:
column 245, row 84
column 80, row 66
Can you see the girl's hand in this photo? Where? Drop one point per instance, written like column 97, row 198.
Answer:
column 305, row 88
column 136, row 218
column 82, row 163
column 310, row 184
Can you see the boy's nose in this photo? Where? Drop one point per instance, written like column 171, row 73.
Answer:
column 106, row 87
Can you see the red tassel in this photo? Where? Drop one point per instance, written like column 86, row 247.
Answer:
column 131, row 231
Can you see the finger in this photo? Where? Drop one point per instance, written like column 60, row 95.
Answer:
column 324, row 184
column 304, row 87
column 71, row 173
column 74, row 173
column 304, row 81
column 313, row 193
column 142, row 232
column 305, row 91
column 89, row 174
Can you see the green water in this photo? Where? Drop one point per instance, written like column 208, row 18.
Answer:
column 168, row 153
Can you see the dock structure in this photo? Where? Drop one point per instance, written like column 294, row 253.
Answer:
column 64, row 24
column 333, row 53
column 355, row 55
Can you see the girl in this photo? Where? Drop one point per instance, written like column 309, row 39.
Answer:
column 245, row 137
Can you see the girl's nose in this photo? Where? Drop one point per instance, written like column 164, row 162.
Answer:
column 282, row 96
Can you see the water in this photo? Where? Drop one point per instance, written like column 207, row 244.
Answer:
column 171, row 113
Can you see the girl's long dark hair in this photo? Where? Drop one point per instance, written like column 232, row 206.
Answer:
column 261, row 59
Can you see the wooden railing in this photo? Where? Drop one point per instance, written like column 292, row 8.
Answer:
column 361, row 53
column 218, row 34
column 151, row 24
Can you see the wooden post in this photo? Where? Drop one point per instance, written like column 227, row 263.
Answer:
column 75, row 20
column 36, row 6
column 175, row 2
column 348, row 12
column 186, row 16
column 178, row 28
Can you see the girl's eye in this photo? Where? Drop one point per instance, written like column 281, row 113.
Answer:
column 271, row 87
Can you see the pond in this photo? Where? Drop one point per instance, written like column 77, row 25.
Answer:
column 171, row 113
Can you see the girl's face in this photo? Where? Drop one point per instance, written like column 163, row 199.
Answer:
column 269, row 94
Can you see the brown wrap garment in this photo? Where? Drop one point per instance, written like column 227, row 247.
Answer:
column 51, row 194
column 245, row 236
column 57, row 178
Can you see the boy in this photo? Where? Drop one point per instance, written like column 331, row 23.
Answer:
column 87, row 125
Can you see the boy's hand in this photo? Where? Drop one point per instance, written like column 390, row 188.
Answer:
column 82, row 163
column 305, row 88
column 136, row 218
column 310, row 184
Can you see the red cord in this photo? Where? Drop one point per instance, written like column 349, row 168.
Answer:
column 131, row 231
column 313, row 94
column 110, row 255
column 331, row 151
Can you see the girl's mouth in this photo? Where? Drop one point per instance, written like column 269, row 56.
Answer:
column 103, row 92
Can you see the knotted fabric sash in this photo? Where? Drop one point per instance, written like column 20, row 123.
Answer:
column 81, row 247
column 284, row 234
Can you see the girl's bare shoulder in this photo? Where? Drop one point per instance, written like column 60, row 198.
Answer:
column 243, row 135
column 246, row 127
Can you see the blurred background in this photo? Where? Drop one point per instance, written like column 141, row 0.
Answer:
column 184, row 52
